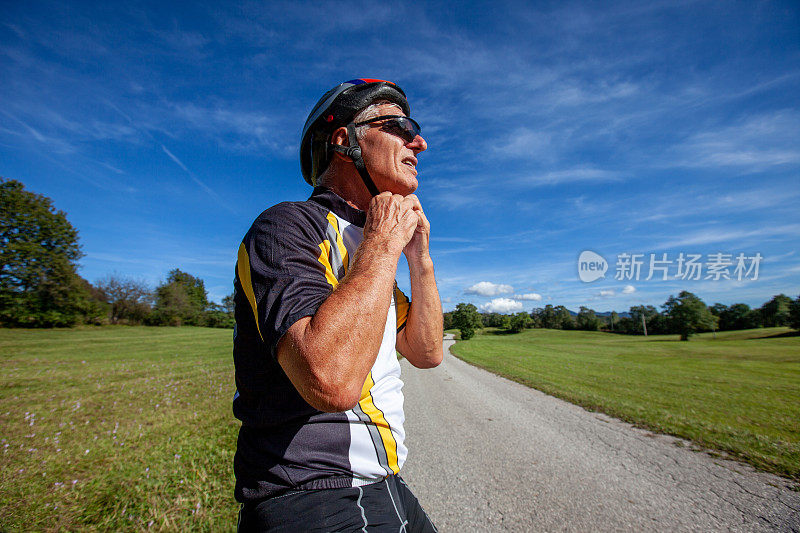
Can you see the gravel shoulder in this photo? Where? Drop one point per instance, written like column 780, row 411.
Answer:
column 488, row 454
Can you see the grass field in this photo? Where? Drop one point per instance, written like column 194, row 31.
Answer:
column 122, row 428
column 117, row 428
column 739, row 393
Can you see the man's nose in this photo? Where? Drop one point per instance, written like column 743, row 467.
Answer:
column 418, row 144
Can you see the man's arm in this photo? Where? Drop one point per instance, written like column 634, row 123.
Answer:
column 327, row 356
column 420, row 341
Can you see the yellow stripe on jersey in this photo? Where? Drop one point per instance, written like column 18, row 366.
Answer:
column 339, row 242
column 243, row 270
column 325, row 259
column 376, row 416
column 402, row 306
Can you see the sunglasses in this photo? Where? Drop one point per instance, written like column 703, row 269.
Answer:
column 404, row 127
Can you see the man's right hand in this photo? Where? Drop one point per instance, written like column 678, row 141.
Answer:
column 391, row 222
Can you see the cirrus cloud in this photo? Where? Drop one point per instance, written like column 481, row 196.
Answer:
column 530, row 296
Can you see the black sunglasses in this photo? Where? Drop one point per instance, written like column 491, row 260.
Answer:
column 404, row 127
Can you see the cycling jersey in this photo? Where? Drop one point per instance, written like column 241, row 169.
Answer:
column 289, row 261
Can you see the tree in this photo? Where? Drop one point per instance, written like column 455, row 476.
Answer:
column 638, row 312
column 466, row 318
column 129, row 298
column 180, row 300
column 447, row 320
column 738, row 316
column 587, row 320
column 220, row 315
column 519, row 322
column 564, row 318
column 688, row 314
column 776, row 311
column 613, row 320
column 39, row 284
column 536, row 317
column 494, row 320
column 228, row 304
column 549, row 317
column 794, row 314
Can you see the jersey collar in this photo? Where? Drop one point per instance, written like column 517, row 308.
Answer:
column 332, row 201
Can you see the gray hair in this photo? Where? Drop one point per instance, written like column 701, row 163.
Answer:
column 371, row 111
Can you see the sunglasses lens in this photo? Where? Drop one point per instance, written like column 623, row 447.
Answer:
column 406, row 128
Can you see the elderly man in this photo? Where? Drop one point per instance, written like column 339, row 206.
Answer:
column 319, row 317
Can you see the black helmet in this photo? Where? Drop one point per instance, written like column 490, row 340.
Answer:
column 335, row 109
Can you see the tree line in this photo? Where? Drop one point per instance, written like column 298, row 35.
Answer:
column 40, row 285
column 685, row 314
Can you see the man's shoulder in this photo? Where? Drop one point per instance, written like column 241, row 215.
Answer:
column 284, row 217
column 291, row 210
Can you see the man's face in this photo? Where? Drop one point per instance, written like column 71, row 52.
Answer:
column 391, row 160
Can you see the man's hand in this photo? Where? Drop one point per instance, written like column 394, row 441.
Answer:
column 392, row 221
column 421, row 340
column 418, row 248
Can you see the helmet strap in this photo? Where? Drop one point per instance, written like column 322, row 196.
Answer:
column 354, row 152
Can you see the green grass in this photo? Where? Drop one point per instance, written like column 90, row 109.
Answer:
column 739, row 393
column 117, row 428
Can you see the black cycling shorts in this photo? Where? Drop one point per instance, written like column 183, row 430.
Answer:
column 387, row 505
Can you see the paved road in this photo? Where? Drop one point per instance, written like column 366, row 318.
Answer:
column 488, row 454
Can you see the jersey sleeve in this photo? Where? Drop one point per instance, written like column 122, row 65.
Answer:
column 402, row 305
column 281, row 272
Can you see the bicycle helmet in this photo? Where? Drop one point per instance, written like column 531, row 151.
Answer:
column 335, row 109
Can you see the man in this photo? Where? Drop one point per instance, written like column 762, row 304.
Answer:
column 318, row 319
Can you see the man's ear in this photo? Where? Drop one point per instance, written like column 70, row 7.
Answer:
column 339, row 136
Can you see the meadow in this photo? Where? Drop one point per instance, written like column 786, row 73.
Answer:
column 117, row 428
column 130, row 428
column 738, row 393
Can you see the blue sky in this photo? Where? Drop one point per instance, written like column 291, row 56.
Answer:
column 553, row 128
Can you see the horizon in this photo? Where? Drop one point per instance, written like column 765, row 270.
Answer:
column 554, row 130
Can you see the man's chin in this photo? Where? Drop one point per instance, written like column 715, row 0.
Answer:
column 404, row 188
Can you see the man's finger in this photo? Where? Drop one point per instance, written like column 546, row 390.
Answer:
column 423, row 220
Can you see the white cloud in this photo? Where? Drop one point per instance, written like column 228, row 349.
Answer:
column 759, row 142
column 606, row 293
column 717, row 235
column 570, row 176
column 487, row 288
column 524, row 142
column 531, row 296
column 629, row 289
column 502, row 305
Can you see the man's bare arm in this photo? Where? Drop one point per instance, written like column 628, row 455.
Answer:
column 327, row 357
column 421, row 340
